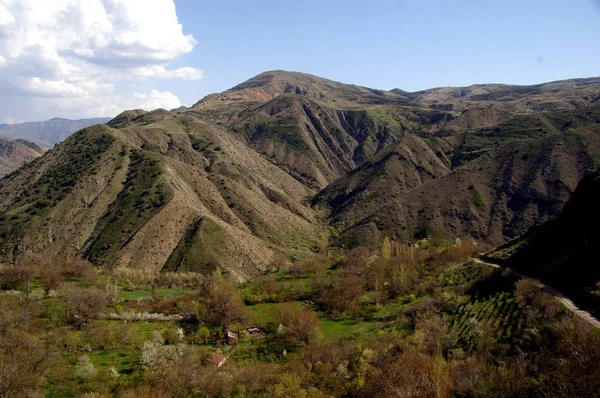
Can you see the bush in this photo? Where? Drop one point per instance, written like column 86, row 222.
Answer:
column 82, row 304
column 15, row 277
column 300, row 325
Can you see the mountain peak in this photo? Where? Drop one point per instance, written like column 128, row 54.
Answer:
column 277, row 77
column 270, row 84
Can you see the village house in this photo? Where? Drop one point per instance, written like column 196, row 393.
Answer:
column 217, row 359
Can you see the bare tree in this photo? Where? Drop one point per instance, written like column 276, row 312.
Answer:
column 338, row 293
column 82, row 304
column 300, row 325
column 222, row 304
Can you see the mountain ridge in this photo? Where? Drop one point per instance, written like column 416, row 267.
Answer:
column 52, row 131
column 286, row 164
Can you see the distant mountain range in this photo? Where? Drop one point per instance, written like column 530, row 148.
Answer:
column 48, row 132
column 288, row 163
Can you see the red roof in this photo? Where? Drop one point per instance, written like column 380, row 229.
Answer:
column 216, row 358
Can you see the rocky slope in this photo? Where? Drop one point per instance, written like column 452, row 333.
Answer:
column 497, row 184
column 276, row 163
column 14, row 154
column 553, row 96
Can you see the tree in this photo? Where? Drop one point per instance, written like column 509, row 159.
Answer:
column 17, row 276
column 13, row 313
column 338, row 293
column 81, row 304
column 300, row 325
column 24, row 361
column 221, row 303
column 386, row 250
column 51, row 280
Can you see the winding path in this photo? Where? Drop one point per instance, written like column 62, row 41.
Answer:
column 586, row 316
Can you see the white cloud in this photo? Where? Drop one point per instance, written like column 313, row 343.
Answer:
column 76, row 53
column 156, row 99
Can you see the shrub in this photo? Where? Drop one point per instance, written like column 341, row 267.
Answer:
column 82, row 304
column 300, row 325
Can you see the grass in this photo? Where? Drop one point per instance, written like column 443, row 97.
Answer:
column 76, row 158
column 387, row 310
column 263, row 312
column 178, row 256
column 142, row 196
column 331, row 329
column 476, row 197
column 195, row 250
column 146, row 294
column 335, row 330
column 125, row 361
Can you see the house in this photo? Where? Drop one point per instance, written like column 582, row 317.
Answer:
column 231, row 338
column 217, row 359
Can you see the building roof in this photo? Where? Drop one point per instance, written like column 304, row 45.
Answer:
column 216, row 358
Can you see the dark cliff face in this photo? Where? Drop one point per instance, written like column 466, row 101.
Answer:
column 564, row 252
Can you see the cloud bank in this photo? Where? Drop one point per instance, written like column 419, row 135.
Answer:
column 74, row 57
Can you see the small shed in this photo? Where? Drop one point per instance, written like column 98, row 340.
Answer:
column 252, row 330
column 231, row 338
column 217, row 359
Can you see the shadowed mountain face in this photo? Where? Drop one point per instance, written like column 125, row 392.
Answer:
column 564, row 252
column 273, row 164
column 51, row 131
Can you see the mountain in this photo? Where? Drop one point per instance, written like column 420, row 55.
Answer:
column 315, row 129
column 51, row 131
column 554, row 96
column 497, row 182
column 563, row 252
column 287, row 163
column 14, row 154
column 157, row 190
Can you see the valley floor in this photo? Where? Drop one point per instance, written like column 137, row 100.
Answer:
column 401, row 322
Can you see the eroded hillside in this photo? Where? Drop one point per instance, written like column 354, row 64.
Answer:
column 129, row 194
column 16, row 153
column 273, row 165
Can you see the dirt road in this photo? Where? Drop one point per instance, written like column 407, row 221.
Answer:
column 559, row 296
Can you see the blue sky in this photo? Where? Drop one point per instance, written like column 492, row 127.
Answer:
column 392, row 44
column 84, row 58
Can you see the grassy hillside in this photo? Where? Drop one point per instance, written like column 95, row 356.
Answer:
column 143, row 195
column 123, row 196
column 30, row 194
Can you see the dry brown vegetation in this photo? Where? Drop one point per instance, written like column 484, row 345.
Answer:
column 54, row 339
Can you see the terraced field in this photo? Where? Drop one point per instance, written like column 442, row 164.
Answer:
column 501, row 315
